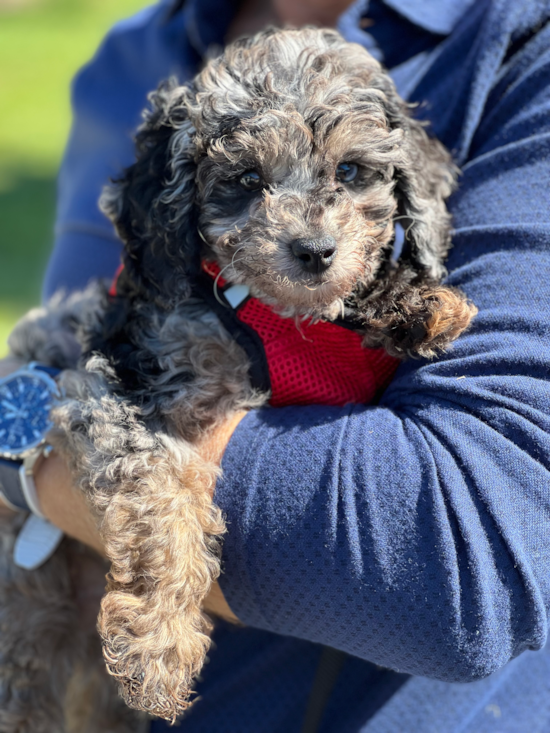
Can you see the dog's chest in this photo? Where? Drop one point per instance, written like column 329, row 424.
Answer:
column 319, row 363
column 304, row 364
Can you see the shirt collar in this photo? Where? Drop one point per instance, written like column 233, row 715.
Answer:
column 207, row 22
column 436, row 16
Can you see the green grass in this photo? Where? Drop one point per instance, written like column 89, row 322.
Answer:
column 42, row 44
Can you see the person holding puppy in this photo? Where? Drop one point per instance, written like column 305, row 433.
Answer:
column 412, row 535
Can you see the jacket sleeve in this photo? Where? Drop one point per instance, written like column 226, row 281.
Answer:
column 108, row 96
column 416, row 533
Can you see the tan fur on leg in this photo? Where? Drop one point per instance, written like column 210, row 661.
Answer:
column 409, row 318
column 451, row 313
column 160, row 531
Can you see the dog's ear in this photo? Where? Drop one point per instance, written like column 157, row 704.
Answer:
column 424, row 180
column 425, row 177
column 152, row 204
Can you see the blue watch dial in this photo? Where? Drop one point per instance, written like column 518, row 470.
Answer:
column 25, row 403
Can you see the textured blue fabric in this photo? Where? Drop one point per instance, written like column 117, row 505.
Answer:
column 108, row 97
column 414, row 534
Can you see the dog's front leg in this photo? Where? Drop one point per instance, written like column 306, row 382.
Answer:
column 160, row 531
column 412, row 316
column 152, row 496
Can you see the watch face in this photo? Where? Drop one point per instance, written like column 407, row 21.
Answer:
column 25, row 402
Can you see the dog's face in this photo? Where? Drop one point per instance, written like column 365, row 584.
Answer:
column 287, row 161
column 297, row 200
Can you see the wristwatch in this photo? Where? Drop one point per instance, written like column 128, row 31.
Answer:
column 26, row 398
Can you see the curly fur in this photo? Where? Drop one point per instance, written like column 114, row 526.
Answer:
column 159, row 371
column 51, row 680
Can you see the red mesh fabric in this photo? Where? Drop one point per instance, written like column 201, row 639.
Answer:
column 314, row 364
column 319, row 363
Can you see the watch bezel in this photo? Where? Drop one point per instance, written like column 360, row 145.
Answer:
column 30, row 370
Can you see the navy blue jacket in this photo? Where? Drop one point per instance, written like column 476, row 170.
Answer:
column 414, row 534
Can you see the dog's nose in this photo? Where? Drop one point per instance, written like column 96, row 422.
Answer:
column 315, row 255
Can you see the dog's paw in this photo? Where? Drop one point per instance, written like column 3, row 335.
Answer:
column 160, row 685
column 419, row 321
column 443, row 314
column 450, row 314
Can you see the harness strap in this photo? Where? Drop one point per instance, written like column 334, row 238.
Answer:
column 244, row 335
column 231, row 297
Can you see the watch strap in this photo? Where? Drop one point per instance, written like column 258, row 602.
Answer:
column 50, row 371
column 36, row 542
column 10, row 484
column 26, row 474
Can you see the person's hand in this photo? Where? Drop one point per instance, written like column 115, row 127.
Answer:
column 67, row 508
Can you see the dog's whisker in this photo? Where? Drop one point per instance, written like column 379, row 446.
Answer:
column 220, row 273
column 235, row 254
column 408, row 229
column 410, row 218
column 216, row 294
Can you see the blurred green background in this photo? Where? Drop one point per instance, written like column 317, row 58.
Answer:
column 42, row 44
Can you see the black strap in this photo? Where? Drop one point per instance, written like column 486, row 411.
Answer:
column 244, row 335
column 330, row 665
column 50, row 371
column 10, row 484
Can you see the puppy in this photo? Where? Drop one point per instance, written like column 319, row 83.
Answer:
column 286, row 163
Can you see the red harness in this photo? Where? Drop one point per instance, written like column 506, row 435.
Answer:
column 310, row 364
column 314, row 363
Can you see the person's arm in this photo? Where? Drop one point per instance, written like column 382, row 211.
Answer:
column 108, row 96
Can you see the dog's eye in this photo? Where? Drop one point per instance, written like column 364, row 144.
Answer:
column 251, row 181
column 346, row 172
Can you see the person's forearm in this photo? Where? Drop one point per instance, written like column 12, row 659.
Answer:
column 62, row 505
column 68, row 510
